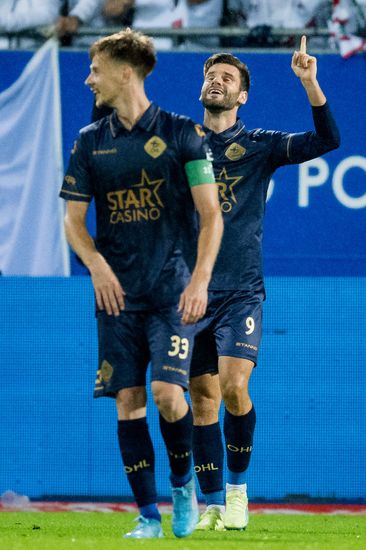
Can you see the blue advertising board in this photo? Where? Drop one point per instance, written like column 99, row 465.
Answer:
column 308, row 390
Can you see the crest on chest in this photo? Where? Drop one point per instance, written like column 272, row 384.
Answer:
column 235, row 151
column 155, row 147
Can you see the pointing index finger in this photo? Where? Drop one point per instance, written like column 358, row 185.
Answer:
column 303, row 44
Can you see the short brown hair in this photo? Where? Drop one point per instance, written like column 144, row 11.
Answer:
column 230, row 60
column 130, row 47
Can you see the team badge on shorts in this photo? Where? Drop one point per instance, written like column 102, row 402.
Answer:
column 106, row 371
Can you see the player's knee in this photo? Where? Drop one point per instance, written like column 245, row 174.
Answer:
column 235, row 394
column 166, row 397
column 164, row 402
column 205, row 409
column 131, row 402
column 206, row 398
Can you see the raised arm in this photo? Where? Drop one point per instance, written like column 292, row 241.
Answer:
column 305, row 68
column 193, row 301
column 108, row 291
column 300, row 147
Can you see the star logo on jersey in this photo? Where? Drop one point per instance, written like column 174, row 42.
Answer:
column 235, row 151
column 145, row 182
column 226, row 186
column 155, row 147
column 138, row 203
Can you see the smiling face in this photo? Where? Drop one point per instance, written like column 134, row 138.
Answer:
column 222, row 88
column 105, row 79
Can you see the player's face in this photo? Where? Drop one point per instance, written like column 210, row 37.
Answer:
column 221, row 90
column 105, row 80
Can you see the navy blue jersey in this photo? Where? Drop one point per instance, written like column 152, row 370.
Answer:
column 244, row 162
column 146, row 221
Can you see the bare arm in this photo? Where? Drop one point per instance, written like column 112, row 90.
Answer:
column 304, row 67
column 108, row 291
column 193, row 301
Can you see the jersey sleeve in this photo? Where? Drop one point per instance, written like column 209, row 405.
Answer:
column 77, row 184
column 196, row 154
column 300, row 147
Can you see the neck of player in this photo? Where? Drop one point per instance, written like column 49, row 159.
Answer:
column 220, row 121
column 131, row 107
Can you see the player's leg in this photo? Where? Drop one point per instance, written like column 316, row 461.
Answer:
column 208, row 453
column 238, row 337
column 239, row 424
column 171, row 349
column 123, row 359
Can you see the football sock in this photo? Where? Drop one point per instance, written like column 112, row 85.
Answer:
column 178, row 441
column 238, row 431
column 216, row 498
column 138, row 458
column 208, row 454
column 150, row 511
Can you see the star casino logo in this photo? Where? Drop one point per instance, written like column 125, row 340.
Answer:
column 226, row 186
column 138, row 203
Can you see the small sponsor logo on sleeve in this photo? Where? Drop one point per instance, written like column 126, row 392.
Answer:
column 70, row 180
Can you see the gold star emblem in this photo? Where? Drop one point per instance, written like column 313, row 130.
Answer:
column 226, row 185
column 146, row 182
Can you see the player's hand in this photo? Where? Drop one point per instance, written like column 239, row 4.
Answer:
column 303, row 64
column 193, row 301
column 116, row 8
column 67, row 25
column 108, row 290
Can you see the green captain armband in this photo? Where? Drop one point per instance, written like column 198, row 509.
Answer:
column 199, row 171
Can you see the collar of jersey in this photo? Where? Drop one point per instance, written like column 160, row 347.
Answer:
column 145, row 122
column 230, row 133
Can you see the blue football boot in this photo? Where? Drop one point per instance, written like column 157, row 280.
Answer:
column 146, row 528
column 185, row 509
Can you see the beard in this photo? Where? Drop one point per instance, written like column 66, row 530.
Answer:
column 224, row 103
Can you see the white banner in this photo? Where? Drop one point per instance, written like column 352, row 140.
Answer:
column 32, row 240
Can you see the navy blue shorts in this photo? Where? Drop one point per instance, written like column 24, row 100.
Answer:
column 232, row 327
column 129, row 342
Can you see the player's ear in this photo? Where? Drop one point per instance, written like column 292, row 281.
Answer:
column 126, row 72
column 243, row 97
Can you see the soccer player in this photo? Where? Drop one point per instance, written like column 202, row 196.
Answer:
column 225, row 352
column 147, row 170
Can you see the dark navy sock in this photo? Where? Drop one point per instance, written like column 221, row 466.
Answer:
column 208, row 455
column 138, row 458
column 238, row 431
column 178, row 441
